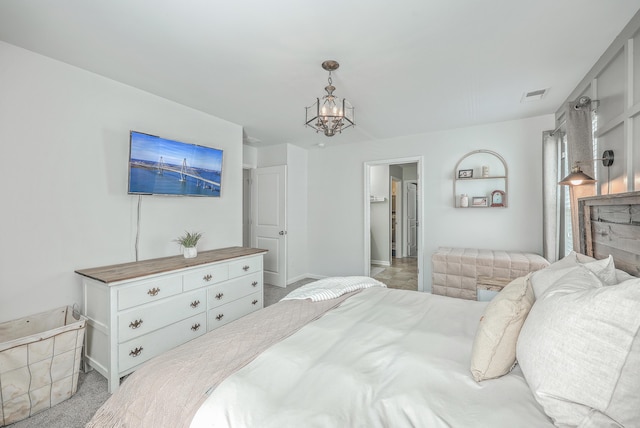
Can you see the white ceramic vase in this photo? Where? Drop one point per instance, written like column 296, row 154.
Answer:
column 190, row 252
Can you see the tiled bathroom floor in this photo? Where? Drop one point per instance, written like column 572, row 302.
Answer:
column 402, row 274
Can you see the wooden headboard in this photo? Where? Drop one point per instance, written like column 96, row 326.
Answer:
column 611, row 225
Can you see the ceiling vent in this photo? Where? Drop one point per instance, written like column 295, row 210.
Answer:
column 534, row 95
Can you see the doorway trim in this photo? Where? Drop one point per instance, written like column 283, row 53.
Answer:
column 247, row 209
column 399, row 203
column 419, row 160
column 405, row 229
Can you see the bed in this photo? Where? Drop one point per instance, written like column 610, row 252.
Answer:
column 376, row 357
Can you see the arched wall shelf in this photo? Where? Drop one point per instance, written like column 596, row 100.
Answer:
column 468, row 178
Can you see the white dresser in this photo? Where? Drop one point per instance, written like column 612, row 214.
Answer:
column 138, row 310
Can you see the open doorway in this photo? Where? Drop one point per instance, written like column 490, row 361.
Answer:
column 393, row 248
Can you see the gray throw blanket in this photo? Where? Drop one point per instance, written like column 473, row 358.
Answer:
column 168, row 390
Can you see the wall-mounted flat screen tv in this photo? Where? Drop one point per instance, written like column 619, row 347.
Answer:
column 158, row 166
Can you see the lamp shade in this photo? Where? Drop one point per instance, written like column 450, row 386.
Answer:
column 576, row 178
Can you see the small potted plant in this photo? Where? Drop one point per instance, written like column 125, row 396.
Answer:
column 188, row 241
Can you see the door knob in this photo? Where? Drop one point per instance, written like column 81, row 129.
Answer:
column 282, row 232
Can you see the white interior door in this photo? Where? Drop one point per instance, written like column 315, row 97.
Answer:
column 412, row 218
column 269, row 220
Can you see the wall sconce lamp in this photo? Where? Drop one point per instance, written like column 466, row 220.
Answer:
column 577, row 177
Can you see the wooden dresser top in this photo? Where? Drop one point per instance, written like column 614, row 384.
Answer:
column 131, row 270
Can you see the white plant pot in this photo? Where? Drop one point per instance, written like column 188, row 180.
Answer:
column 190, row 252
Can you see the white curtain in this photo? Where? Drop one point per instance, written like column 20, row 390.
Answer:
column 579, row 135
column 580, row 149
column 550, row 194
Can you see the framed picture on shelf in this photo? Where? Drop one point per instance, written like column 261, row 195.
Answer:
column 480, row 201
column 497, row 198
column 465, row 173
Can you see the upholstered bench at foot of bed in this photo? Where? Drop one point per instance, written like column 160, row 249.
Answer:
column 456, row 270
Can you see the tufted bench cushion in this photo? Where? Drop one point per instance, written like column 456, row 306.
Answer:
column 456, row 270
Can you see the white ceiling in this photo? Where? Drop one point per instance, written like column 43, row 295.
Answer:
column 408, row 66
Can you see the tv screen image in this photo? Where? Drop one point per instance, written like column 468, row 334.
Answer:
column 158, row 166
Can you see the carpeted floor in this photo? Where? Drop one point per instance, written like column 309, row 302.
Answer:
column 92, row 387
column 74, row 412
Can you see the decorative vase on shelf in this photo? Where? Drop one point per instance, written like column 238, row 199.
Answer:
column 464, row 201
column 190, row 252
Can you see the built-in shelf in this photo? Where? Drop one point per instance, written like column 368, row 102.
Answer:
column 491, row 177
column 479, row 186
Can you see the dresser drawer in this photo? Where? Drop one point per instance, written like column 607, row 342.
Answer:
column 149, row 291
column 140, row 349
column 206, row 276
column 217, row 317
column 147, row 318
column 245, row 266
column 233, row 289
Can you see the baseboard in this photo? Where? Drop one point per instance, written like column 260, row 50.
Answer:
column 380, row 262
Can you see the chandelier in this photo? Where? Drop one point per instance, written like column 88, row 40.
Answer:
column 333, row 114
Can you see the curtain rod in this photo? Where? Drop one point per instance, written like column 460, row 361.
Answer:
column 583, row 101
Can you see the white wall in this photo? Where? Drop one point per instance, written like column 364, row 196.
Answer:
column 64, row 136
column 337, row 248
column 249, row 156
column 614, row 80
column 297, row 215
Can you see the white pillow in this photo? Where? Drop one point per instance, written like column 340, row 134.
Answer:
column 609, row 277
column 494, row 348
column 622, row 276
column 543, row 279
column 579, row 351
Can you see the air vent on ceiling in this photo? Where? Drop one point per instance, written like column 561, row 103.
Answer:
column 534, row 95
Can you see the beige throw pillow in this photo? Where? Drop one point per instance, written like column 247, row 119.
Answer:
column 494, row 347
column 579, row 351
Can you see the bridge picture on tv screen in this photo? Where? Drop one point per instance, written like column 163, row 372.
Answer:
column 158, row 166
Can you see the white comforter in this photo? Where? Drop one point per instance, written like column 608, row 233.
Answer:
column 384, row 358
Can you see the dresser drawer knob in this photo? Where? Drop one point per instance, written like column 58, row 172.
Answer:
column 153, row 291
column 207, row 277
column 219, row 296
column 254, row 302
column 135, row 324
column 195, row 304
column 254, row 283
column 219, row 316
column 195, row 327
column 245, row 268
column 136, row 352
